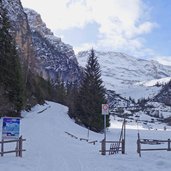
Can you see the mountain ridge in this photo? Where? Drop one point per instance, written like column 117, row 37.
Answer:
column 121, row 72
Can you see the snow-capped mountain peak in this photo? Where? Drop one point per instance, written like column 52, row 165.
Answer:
column 122, row 73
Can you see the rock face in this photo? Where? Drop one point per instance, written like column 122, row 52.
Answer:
column 20, row 31
column 40, row 51
column 56, row 58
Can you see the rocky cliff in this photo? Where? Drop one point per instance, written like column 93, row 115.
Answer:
column 39, row 50
column 56, row 58
column 20, row 31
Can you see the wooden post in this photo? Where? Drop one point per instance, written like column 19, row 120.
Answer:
column 139, row 145
column 17, row 148
column 2, row 148
column 103, row 147
column 124, row 129
column 169, row 149
column 123, row 146
column 20, row 146
column 123, row 152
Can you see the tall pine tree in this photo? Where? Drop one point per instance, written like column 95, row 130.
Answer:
column 91, row 96
column 10, row 69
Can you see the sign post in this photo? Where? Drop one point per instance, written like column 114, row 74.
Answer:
column 105, row 111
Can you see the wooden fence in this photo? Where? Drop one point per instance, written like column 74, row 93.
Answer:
column 19, row 147
column 114, row 147
column 152, row 142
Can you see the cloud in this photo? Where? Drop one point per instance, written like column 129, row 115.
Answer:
column 165, row 60
column 122, row 24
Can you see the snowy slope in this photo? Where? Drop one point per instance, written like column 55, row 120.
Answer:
column 49, row 148
column 124, row 73
column 154, row 82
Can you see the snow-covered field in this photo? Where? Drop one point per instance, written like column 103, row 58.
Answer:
column 49, row 148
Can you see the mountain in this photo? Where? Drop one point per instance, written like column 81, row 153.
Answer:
column 123, row 73
column 56, row 58
column 42, row 55
column 39, row 50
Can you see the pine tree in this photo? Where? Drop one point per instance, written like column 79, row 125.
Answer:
column 10, row 69
column 60, row 90
column 91, row 96
column 71, row 96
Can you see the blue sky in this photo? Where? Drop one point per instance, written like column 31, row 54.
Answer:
column 160, row 38
column 141, row 28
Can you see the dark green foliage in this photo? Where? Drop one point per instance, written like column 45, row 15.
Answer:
column 91, row 96
column 71, row 98
column 164, row 96
column 10, row 70
column 60, row 91
column 142, row 102
column 39, row 89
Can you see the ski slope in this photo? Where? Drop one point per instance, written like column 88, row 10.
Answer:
column 49, row 148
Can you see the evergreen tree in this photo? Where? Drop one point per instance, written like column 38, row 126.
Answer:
column 91, row 96
column 60, row 90
column 10, row 69
column 71, row 96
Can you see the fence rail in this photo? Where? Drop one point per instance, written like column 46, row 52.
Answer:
column 18, row 150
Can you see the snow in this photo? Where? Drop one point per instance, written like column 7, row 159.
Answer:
column 151, row 83
column 127, row 75
column 49, row 148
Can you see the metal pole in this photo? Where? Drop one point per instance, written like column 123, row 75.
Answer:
column 104, row 135
column 105, row 127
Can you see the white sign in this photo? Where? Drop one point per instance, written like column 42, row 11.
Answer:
column 10, row 128
column 105, row 109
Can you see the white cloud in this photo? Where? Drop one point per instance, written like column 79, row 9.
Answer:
column 85, row 46
column 122, row 23
column 165, row 60
column 61, row 14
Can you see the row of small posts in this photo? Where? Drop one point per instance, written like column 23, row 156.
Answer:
column 152, row 142
column 19, row 147
column 82, row 139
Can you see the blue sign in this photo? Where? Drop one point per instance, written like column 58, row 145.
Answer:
column 10, row 128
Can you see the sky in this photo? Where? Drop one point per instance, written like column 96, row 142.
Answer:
column 140, row 28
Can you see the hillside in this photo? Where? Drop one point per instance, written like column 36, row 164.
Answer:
column 125, row 74
column 50, row 148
